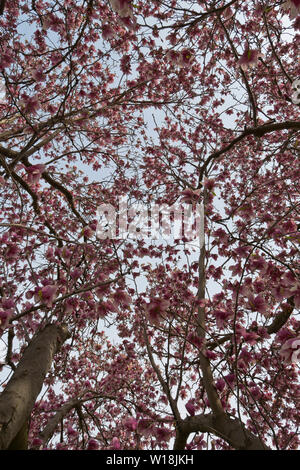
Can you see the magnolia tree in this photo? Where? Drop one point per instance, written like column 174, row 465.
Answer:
column 129, row 340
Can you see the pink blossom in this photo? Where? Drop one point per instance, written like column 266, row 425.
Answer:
column 66, row 254
column 12, row 253
column 230, row 379
column 69, row 306
column 145, row 427
column 92, row 445
column 185, row 58
column 87, row 231
column 120, row 297
column 255, row 392
column 122, row 7
column 210, row 354
column 4, row 318
column 195, row 340
column 182, row 58
column 162, row 434
column 38, row 74
column 220, row 384
column 156, row 308
column 257, row 304
column 115, row 443
column 221, row 317
column 107, row 31
column 71, row 431
column 296, row 24
column 46, row 294
column 293, row 6
column 8, row 303
column 76, row 273
column 36, row 442
column 249, row 58
column 105, row 308
column 290, row 351
column 189, row 196
column 6, row 59
column 250, row 337
column 221, row 235
column 130, row 424
column 34, row 173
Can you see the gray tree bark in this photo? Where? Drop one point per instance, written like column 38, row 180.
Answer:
column 20, row 394
column 230, row 429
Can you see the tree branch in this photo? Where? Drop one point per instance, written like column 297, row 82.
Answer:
column 19, row 396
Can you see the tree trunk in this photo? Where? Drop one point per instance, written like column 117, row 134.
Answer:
column 20, row 394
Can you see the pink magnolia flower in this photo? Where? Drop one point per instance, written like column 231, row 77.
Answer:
column 290, row 351
column 230, row 379
column 8, row 303
column 296, row 90
column 76, row 273
column 6, row 59
column 156, row 308
column 12, row 253
column 4, row 318
column 30, row 104
column 182, row 58
column 38, row 74
column 105, row 308
column 88, row 231
column 66, row 253
column 37, row 442
column 145, row 427
column 46, row 295
column 250, row 337
column 120, row 297
column 71, row 431
column 185, row 58
column 107, row 31
column 220, row 384
column 130, row 424
column 249, row 58
column 34, row 172
column 293, row 6
column 162, row 434
column 221, row 317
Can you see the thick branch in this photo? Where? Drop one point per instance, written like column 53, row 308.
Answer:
column 52, row 424
column 19, row 396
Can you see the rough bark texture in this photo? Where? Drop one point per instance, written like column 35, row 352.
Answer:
column 229, row 429
column 52, row 424
column 19, row 396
